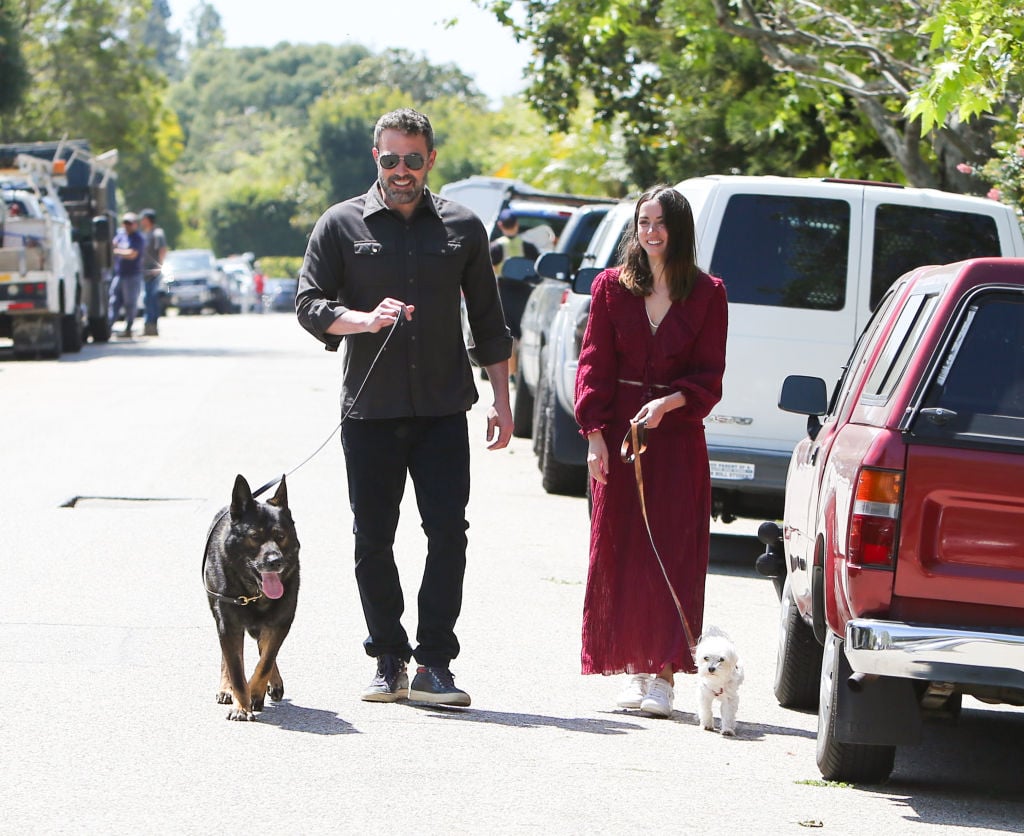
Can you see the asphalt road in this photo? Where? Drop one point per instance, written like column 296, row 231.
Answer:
column 108, row 722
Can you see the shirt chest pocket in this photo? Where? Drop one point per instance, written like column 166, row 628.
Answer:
column 367, row 248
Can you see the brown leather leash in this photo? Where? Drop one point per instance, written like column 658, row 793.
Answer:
column 637, row 439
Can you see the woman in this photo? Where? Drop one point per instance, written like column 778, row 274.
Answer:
column 653, row 352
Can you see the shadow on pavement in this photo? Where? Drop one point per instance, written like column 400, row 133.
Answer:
column 291, row 717
column 531, row 721
column 744, row 731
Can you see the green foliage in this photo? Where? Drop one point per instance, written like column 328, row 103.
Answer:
column 682, row 96
column 279, row 266
column 13, row 67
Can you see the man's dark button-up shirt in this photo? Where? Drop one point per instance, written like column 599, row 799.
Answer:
column 361, row 252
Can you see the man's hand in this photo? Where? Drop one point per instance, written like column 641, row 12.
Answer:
column 387, row 314
column 499, row 427
column 499, row 414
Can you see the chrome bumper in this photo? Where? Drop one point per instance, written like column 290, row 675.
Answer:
column 938, row 654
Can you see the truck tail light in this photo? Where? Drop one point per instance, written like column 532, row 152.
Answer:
column 875, row 518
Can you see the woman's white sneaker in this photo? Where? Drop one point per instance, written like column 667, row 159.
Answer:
column 659, row 698
column 633, row 694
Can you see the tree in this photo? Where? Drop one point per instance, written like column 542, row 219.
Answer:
column 854, row 63
column 684, row 96
column 13, row 69
column 978, row 71
column 90, row 77
column 163, row 43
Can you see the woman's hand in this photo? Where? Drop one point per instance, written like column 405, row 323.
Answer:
column 597, row 457
column 653, row 411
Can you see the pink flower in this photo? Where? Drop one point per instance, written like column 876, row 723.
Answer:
column 994, row 194
column 963, row 168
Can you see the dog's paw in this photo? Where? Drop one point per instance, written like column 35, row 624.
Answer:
column 225, row 698
column 240, row 714
column 708, row 726
column 275, row 692
column 728, row 732
column 257, row 704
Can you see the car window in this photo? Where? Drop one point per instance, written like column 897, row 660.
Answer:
column 913, row 236
column 857, row 356
column 979, row 383
column 899, row 346
column 789, row 252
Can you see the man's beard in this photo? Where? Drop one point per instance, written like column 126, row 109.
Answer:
column 401, row 196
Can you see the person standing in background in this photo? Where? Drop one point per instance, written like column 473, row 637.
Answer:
column 128, row 247
column 155, row 253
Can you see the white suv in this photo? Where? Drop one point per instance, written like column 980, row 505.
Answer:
column 804, row 262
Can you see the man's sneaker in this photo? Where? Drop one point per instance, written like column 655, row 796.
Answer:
column 391, row 682
column 436, row 685
column 633, row 694
column 659, row 698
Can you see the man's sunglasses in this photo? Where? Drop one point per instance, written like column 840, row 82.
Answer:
column 413, row 162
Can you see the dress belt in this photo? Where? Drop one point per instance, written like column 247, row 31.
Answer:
column 641, row 383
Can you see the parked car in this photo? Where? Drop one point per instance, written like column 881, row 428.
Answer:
column 242, row 283
column 555, row 270
column 194, row 282
column 804, row 262
column 901, row 566
column 279, row 294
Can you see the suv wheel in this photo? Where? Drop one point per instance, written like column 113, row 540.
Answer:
column 798, row 657
column 838, row 761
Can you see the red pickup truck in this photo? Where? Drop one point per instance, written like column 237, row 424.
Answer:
column 900, row 562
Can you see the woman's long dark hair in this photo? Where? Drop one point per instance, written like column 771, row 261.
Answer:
column 680, row 258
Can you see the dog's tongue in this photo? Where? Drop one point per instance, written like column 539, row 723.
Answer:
column 272, row 586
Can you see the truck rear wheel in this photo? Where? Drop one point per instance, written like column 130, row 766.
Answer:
column 71, row 334
column 798, row 657
column 839, row 761
column 99, row 329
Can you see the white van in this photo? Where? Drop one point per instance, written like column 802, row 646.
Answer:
column 804, row 261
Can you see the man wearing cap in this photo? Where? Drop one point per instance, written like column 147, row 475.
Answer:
column 129, row 246
column 510, row 244
column 155, row 253
column 513, row 294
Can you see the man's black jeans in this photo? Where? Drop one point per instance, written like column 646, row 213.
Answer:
column 434, row 452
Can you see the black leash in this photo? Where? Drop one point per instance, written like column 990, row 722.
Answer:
column 244, row 600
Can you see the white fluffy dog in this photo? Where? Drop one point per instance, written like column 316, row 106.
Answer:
column 719, row 674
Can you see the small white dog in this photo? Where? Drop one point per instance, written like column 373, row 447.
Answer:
column 719, row 674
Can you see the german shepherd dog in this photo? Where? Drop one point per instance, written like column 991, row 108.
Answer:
column 251, row 575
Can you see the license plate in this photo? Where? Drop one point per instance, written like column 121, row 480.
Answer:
column 732, row 471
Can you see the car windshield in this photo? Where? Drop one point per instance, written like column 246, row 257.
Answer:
column 186, row 262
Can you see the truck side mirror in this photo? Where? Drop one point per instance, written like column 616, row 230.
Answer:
column 805, row 396
column 554, row 266
column 518, row 269
column 582, row 281
column 101, row 239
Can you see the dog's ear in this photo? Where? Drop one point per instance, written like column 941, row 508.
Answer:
column 280, row 498
column 241, row 497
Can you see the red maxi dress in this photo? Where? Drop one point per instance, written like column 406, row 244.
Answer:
column 630, row 623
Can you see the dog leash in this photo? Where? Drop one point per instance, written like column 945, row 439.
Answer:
column 636, row 438
column 245, row 600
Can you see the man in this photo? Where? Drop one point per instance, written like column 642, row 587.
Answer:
column 394, row 263
column 511, row 244
column 128, row 247
column 155, row 253
column 514, row 294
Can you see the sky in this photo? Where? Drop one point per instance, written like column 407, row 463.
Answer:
column 477, row 43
